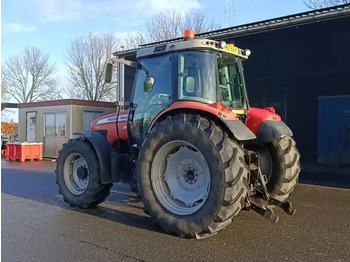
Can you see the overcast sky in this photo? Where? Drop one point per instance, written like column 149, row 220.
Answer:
column 52, row 24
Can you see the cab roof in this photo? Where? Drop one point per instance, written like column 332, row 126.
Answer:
column 193, row 44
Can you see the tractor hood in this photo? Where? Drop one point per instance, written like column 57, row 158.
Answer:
column 108, row 124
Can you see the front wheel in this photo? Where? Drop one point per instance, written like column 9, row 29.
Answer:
column 77, row 175
column 192, row 177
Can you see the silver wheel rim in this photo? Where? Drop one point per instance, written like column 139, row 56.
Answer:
column 76, row 173
column 180, row 177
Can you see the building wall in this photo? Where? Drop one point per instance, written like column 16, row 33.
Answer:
column 74, row 123
column 293, row 67
column 40, row 126
column 78, row 111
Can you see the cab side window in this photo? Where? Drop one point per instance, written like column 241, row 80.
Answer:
column 151, row 102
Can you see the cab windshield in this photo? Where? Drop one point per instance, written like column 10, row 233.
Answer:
column 209, row 78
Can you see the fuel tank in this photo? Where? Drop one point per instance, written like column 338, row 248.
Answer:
column 109, row 123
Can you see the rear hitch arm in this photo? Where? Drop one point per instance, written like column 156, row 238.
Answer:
column 285, row 206
column 260, row 199
column 265, row 212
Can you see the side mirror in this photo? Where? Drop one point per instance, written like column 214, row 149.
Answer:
column 109, row 73
column 148, row 84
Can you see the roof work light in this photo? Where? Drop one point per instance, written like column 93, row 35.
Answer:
column 189, row 34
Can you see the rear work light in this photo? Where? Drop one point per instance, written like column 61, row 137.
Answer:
column 222, row 44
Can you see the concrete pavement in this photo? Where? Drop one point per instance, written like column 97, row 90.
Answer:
column 38, row 226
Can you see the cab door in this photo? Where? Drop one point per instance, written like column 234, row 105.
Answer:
column 148, row 103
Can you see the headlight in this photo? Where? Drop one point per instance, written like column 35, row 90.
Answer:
column 247, row 52
column 222, row 44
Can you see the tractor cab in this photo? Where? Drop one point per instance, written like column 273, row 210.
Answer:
column 199, row 70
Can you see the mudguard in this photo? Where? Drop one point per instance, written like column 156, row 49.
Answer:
column 239, row 130
column 103, row 151
column 271, row 130
column 229, row 119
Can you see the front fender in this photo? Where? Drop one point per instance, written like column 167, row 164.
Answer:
column 103, row 151
column 271, row 130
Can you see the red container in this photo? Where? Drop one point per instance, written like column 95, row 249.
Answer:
column 23, row 151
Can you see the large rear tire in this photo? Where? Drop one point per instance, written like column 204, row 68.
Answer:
column 286, row 167
column 192, row 177
column 78, row 175
column 279, row 163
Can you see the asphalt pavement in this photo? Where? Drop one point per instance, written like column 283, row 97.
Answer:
column 38, row 226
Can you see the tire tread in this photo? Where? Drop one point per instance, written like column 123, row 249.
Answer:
column 96, row 192
column 234, row 182
column 289, row 170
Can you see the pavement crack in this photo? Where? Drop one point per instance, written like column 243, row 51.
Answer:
column 93, row 244
column 123, row 256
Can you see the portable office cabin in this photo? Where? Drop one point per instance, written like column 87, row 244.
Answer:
column 54, row 122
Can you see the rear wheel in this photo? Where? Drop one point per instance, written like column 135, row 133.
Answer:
column 279, row 163
column 286, row 167
column 78, row 175
column 192, row 177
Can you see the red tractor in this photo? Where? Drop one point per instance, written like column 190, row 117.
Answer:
column 190, row 144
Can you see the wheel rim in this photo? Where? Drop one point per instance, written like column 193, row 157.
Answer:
column 76, row 173
column 180, row 177
column 266, row 164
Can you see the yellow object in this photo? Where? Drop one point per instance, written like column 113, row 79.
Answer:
column 7, row 128
column 238, row 111
column 231, row 48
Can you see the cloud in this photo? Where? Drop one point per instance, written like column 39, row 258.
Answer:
column 58, row 10
column 70, row 10
column 19, row 28
column 136, row 13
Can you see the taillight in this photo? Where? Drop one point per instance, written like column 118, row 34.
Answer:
column 220, row 106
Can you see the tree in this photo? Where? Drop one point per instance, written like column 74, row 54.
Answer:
column 172, row 24
column 134, row 39
column 4, row 92
column 29, row 77
column 86, row 60
column 317, row 4
column 168, row 25
column 5, row 112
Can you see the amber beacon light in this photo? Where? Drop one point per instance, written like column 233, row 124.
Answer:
column 189, row 34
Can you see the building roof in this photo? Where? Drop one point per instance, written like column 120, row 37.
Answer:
column 8, row 105
column 67, row 102
column 314, row 16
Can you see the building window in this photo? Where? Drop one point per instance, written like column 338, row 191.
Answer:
column 88, row 117
column 55, row 124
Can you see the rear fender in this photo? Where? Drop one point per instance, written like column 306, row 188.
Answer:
column 271, row 130
column 230, row 122
column 103, row 151
column 266, row 124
